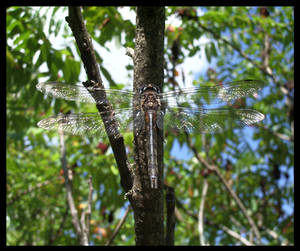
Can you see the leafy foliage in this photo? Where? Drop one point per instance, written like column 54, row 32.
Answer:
column 257, row 163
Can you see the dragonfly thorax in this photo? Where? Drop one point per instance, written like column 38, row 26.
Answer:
column 150, row 99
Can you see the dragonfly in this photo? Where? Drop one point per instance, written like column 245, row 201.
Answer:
column 206, row 108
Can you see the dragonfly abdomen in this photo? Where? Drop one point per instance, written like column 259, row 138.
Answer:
column 152, row 147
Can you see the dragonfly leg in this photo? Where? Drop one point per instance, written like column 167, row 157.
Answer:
column 153, row 181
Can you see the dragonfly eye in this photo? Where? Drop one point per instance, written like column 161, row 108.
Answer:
column 149, row 87
column 141, row 90
column 156, row 89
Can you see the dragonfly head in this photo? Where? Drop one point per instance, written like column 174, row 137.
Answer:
column 150, row 98
column 149, row 87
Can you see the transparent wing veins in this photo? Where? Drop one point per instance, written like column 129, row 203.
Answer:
column 89, row 124
column 87, row 95
column 214, row 94
column 210, row 120
column 203, row 119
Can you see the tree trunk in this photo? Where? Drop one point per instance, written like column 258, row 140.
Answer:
column 147, row 203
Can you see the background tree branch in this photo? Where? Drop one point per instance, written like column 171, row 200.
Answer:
column 84, row 42
column 119, row 226
column 227, row 186
column 201, row 213
column 69, row 192
column 171, row 220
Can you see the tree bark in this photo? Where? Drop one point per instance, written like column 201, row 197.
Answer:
column 148, row 59
column 85, row 46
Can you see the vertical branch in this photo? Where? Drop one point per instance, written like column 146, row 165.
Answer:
column 266, row 50
column 147, row 203
column 201, row 213
column 240, row 203
column 170, row 204
column 86, row 215
column 203, row 197
column 89, row 209
column 74, row 213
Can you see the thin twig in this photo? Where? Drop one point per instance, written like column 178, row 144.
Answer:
column 236, row 222
column 236, row 48
column 89, row 210
column 74, row 213
column 236, row 235
column 264, row 68
column 203, row 197
column 279, row 135
column 186, row 211
column 276, row 236
column 227, row 186
column 201, row 213
column 218, row 226
column 86, row 215
column 266, row 53
column 117, row 229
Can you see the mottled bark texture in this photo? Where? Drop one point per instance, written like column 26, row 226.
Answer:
column 148, row 59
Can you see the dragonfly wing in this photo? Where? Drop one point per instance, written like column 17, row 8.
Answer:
column 125, row 119
column 211, row 93
column 119, row 98
column 89, row 124
column 66, row 91
column 209, row 120
column 139, row 121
